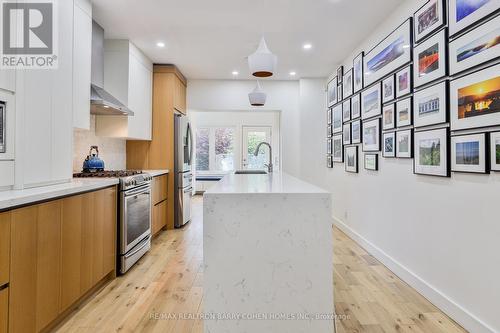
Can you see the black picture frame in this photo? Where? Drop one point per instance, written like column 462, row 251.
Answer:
column 360, row 125
column 376, row 162
column 484, row 152
column 357, row 65
column 410, row 144
column 340, row 138
column 387, row 96
column 379, row 135
column 346, row 109
column 443, row 93
column 340, row 74
column 409, row 101
column 494, row 137
column 408, row 69
column 348, row 86
column 356, row 159
column 441, row 39
column 384, row 153
column 339, row 93
column 392, row 110
column 480, row 14
column 418, row 37
column 447, row 151
column 329, row 161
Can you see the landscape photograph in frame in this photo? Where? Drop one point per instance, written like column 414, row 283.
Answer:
column 337, row 118
column 389, row 145
column 356, row 131
column 351, row 159
column 404, row 82
column 338, row 150
column 475, row 99
column 356, row 106
column 404, row 144
column 468, row 153
column 357, row 68
column 430, row 105
column 404, row 112
column 430, row 59
column 347, row 134
column 347, row 84
column 431, row 153
column 371, row 162
column 495, row 151
column 371, row 135
column 346, row 110
column 388, row 116
column 390, row 54
column 428, row 19
column 475, row 47
column 388, row 89
column 371, row 102
column 464, row 13
column 332, row 92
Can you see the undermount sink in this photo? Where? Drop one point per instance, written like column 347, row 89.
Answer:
column 250, row 172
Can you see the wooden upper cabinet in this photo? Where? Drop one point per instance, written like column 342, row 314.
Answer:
column 180, row 96
column 4, row 248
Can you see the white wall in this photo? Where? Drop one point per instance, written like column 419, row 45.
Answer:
column 441, row 235
column 232, row 95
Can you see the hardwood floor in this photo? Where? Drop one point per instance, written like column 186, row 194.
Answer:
column 168, row 282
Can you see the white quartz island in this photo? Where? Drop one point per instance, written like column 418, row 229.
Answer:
column 268, row 256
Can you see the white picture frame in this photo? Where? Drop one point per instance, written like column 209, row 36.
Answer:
column 404, row 112
column 463, row 104
column 390, row 54
column 468, row 153
column 459, row 19
column 430, row 105
column 431, row 153
column 428, row 19
column 404, row 82
column 426, row 68
column 371, row 101
column 389, row 145
column 495, row 151
column 404, row 145
column 371, row 135
column 475, row 47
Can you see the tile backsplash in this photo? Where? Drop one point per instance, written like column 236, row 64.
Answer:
column 113, row 151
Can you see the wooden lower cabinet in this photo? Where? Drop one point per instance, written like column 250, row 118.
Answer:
column 4, row 248
column 4, row 310
column 159, row 217
column 59, row 251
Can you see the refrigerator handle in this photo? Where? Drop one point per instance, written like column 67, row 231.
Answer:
column 190, row 143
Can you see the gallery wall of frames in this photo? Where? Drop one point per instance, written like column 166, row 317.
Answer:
column 429, row 91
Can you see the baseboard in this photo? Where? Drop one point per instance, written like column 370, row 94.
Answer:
column 436, row 297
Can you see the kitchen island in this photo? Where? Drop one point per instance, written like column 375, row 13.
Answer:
column 268, row 256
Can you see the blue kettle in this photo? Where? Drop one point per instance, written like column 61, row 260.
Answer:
column 93, row 163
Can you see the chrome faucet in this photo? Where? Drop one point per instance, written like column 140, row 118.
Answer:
column 270, row 165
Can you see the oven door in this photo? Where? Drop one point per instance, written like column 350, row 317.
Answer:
column 136, row 217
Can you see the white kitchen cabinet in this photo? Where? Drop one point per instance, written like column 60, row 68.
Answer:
column 82, row 63
column 44, row 115
column 128, row 75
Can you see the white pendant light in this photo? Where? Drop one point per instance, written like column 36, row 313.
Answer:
column 257, row 97
column 262, row 63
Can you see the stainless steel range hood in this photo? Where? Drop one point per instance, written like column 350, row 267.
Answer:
column 102, row 102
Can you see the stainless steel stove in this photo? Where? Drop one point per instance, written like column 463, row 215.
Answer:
column 134, row 226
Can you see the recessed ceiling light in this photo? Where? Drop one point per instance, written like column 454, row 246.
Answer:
column 160, row 44
column 235, row 73
column 293, row 73
column 307, row 46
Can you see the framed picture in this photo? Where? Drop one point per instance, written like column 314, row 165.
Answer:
column 337, row 118
column 356, row 106
column 388, row 116
column 404, row 82
column 393, row 52
column 339, row 93
column 429, row 18
column 475, row 47
column 468, row 153
column 346, row 110
column 348, row 84
column 329, row 161
column 338, row 151
column 340, row 74
column 351, row 157
column 389, row 149
column 329, row 131
column 475, row 99
column 332, row 92
column 371, row 102
column 371, row 135
column 329, row 116
column 329, row 147
column 404, row 145
column 347, row 134
column 371, row 162
column 495, row 151
column 388, row 89
column 404, row 112
column 430, row 105
column 463, row 13
column 357, row 67
column 429, row 59
column 356, row 131
column 431, row 153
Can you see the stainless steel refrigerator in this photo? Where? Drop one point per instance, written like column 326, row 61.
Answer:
column 183, row 173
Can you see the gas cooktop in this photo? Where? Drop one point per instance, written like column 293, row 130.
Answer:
column 108, row 174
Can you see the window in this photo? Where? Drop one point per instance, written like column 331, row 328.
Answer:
column 215, row 149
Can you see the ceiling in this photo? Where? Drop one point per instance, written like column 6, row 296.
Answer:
column 208, row 39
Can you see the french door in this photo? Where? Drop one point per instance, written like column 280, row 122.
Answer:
column 252, row 136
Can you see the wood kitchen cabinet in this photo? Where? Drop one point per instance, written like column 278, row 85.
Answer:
column 4, row 248
column 4, row 310
column 169, row 97
column 59, row 251
column 159, row 203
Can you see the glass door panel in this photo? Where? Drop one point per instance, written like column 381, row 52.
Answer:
column 252, row 136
